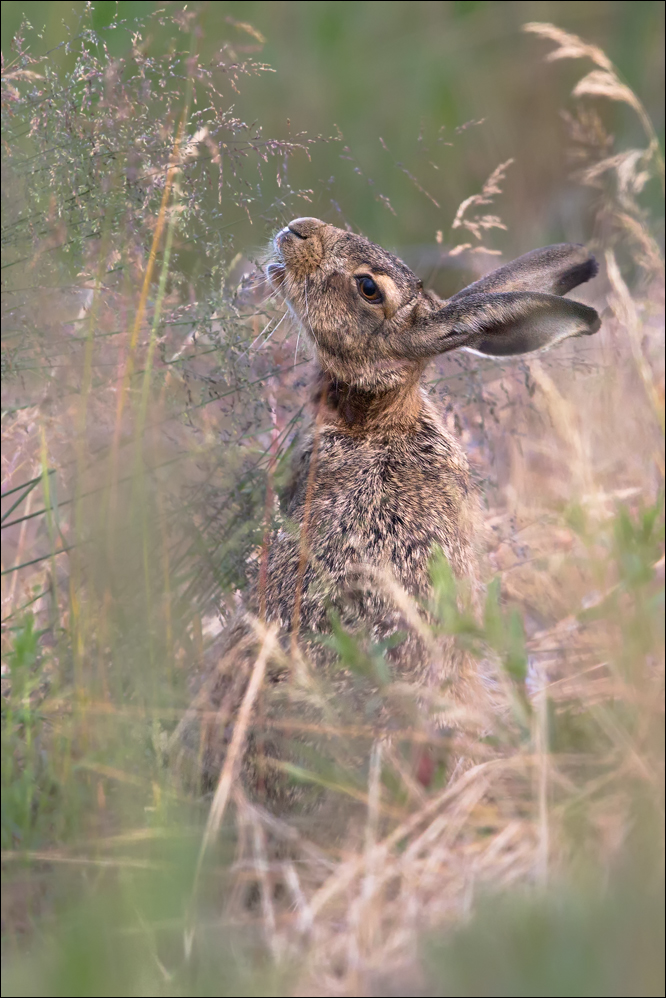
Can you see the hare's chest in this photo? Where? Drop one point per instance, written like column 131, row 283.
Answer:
column 386, row 503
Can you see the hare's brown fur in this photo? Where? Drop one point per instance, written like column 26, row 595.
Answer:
column 390, row 482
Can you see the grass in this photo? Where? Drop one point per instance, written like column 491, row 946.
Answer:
column 151, row 397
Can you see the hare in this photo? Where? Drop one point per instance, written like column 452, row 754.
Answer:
column 378, row 480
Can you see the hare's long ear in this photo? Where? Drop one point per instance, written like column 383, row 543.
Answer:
column 512, row 322
column 553, row 270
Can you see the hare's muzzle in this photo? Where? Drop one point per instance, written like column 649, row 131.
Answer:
column 298, row 249
column 300, row 229
column 305, row 227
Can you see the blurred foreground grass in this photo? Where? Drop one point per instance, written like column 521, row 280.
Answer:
column 148, row 416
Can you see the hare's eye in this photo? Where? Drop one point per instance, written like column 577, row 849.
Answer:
column 369, row 289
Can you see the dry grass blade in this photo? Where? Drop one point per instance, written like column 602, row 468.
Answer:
column 569, row 46
column 261, row 866
column 341, row 879
column 304, row 548
column 541, row 748
column 600, row 83
column 362, row 915
column 234, row 752
column 480, row 223
column 603, row 82
column 447, row 825
column 52, row 856
column 567, row 421
column 203, row 695
column 286, row 832
column 624, row 307
column 300, row 901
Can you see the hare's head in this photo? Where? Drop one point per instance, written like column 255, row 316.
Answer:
column 375, row 326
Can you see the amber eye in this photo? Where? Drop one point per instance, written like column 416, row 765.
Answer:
column 369, row 289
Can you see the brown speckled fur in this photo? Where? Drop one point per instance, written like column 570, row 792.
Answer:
column 378, row 480
column 390, row 481
column 380, row 498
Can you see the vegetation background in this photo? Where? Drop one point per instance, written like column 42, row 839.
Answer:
column 399, row 71
column 149, row 153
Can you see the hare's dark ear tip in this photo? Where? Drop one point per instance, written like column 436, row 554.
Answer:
column 585, row 271
column 593, row 320
column 577, row 273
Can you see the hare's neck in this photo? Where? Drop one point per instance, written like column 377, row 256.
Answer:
column 360, row 411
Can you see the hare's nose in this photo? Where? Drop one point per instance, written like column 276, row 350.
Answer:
column 305, row 227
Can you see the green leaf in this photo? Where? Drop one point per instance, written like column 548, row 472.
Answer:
column 516, row 655
column 445, row 590
column 492, row 618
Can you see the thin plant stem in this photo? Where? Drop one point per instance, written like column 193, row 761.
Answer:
column 231, row 763
column 307, row 508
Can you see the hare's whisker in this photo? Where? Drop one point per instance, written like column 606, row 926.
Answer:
column 272, row 331
column 298, row 337
column 259, row 336
column 258, row 284
column 272, row 296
